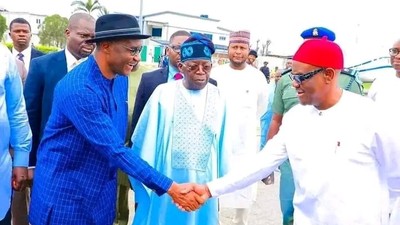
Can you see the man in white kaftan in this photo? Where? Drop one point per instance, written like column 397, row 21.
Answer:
column 343, row 158
column 182, row 132
column 385, row 91
column 246, row 90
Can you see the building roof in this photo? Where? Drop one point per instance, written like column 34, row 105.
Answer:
column 21, row 13
column 204, row 16
column 165, row 43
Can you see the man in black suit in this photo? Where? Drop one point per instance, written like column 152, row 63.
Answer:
column 45, row 72
column 20, row 33
column 151, row 80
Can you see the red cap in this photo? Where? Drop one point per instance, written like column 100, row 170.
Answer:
column 320, row 53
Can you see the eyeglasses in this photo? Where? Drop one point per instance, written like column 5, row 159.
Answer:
column 299, row 78
column 196, row 67
column 134, row 51
column 394, row 51
column 176, row 48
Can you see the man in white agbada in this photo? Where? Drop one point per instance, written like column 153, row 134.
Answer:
column 342, row 156
column 246, row 90
column 183, row 133
column 385, row 91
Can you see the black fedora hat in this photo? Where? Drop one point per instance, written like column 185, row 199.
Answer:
column 117, row 26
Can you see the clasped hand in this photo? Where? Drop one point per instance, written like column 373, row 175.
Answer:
column 19, row 178
column 190, row 196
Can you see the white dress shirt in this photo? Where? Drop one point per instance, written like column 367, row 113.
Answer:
column 27, row 56
column 385, row 91
column 71, row 60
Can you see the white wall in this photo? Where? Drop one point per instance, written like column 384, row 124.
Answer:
column 35, row 20
column 176, row 22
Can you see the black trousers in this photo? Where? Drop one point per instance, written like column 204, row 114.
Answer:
column 7, row 219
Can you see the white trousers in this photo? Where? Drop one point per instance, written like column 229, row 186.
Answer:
column 241, row 217
column 131, row 205
column 395, row 213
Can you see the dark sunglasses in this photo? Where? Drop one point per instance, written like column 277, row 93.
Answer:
column 299, row 78
column 394, row 51
column 134, row 51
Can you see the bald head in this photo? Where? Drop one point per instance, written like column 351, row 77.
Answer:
column 80, row 28
column 77, row 17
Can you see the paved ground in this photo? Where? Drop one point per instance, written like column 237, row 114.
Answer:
column 265, row 211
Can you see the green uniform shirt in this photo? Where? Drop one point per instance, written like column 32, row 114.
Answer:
column 285, row 96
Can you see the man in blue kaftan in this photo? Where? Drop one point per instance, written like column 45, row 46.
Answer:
column 182, row 132
column 83, row 142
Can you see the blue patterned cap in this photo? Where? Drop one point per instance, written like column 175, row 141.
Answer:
column 318, row 32
column 195, row 47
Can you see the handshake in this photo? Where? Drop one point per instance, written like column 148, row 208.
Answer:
column 190, row 196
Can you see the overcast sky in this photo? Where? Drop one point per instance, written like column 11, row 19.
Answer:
column 364, row 29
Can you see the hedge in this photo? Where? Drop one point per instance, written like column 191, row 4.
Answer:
column 42, row 48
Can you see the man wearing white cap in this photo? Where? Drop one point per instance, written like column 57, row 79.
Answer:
column 246, row 90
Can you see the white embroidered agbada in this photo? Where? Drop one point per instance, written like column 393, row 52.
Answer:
column 184, row 135
column 342, row 161
column 246, row 94
column 385, row 91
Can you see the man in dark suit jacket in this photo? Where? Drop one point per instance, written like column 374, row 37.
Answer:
column 151, row 80
column 20, row 33
column 46, row 71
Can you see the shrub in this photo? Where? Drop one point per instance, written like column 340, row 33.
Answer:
column 46, row 49
column 42, row 48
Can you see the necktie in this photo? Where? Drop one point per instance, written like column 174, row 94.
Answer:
column 20, row 57
column 76, row 63
column 178, row 76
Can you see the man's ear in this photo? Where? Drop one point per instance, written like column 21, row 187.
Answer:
column 106, row 46
column 167, row 50
column 329, row 75
column 180, row 67
column 67, row 32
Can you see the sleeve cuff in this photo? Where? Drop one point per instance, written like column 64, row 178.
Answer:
column 394, row 187
column 212, row 187
column 164, row 187
column 21, row 159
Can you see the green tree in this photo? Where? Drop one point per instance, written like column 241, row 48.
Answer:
column 103, row 11
column 3, row 26
column 89, row 6
column 52, row 31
